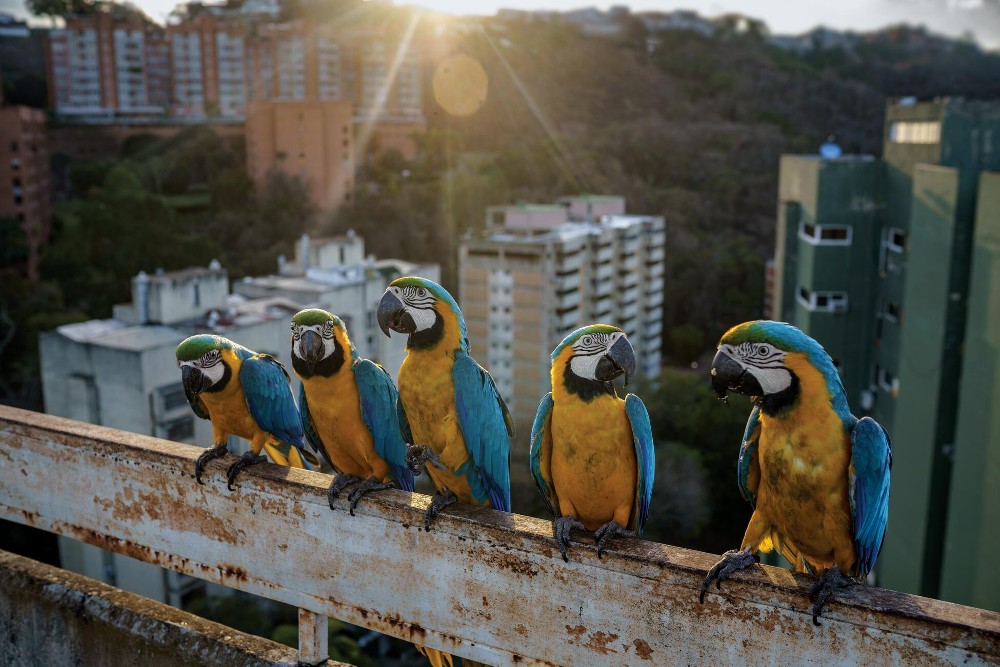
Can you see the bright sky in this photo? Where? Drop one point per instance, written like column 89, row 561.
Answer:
column 950, row 17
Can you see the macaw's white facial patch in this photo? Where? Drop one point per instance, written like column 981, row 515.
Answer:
column 772, row 380
column 325, row 333
column 423, row 318
column 214, row 372
column 765, row 362
column 588, row 351
column 585, row 366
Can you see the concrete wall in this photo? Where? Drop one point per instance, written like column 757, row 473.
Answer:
column 53, row 617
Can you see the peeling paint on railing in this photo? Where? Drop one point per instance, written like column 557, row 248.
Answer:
column 481, row 584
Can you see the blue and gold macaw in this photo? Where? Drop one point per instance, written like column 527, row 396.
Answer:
column 244, row 394
column 449, row 408
column 348, row 408
column 592, row 452
column 816, row 476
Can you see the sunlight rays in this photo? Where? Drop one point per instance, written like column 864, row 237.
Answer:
column 369, row 121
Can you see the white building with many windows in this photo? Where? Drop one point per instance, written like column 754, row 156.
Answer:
column 541, row 271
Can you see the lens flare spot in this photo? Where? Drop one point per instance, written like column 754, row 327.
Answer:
column 460, row 85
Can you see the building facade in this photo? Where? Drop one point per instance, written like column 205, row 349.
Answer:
column 887, row 264
column 121, row 372
column 540, row 272
column 336, row 275
column 208, row 54
column 108, row 63
column 24, row 178
column 308, row 139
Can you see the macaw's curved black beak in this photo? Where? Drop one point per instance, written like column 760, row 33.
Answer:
column 619, row 359
column 729, row 375
column 194, row 382
column 312, row 348
column 392, row 315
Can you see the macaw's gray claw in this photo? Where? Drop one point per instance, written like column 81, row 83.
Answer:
column 419, row 455
column 438, row 503
column 340, row 482
column 561, row 529
column 368, row 486
column 206, row 456
column 604, row 534
column 732, row 561
column 831, row 580
column 248, row 459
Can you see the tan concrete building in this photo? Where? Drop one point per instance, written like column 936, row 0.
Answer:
column 24, row 177
column 539, row 272
column 309, row 139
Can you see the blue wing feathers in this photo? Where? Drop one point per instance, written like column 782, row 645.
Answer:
column 379, row 399
column 309, row 430
column 538, row 433
column 871, row 460
column 269, row 398
column 642, row 438
column 485, row 428
column 748, row 453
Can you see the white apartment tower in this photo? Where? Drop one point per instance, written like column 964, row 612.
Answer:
column 541, row 271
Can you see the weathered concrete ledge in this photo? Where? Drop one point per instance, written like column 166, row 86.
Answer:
column 481, row 584
column 53, row 617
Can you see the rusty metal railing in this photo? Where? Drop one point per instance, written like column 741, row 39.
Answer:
column 481, row 584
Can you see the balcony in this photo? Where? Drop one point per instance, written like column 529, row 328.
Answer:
column 463, row 587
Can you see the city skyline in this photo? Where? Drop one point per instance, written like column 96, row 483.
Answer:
column 948, row 17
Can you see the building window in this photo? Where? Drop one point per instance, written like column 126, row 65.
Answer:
column 173, row 397
column 822, row 302
column 891, row 311
column 884, row 378
column 825, row 234
column 895, row 239
column 178, row 429
column 915, row 132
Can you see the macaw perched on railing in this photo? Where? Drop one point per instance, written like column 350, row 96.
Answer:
column 816, row 475
column 348, row 408
column 245, row 394
column 592, row 452
column 450, row 410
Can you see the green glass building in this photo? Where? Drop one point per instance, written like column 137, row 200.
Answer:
column 887, row 264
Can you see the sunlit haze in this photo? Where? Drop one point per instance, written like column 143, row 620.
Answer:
column 943, row 16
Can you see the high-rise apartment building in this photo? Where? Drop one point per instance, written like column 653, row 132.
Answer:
column 24, row 177
column 376, row 70
column 208, row 55
column 108, row 62
column 309, row 139
column 539, row 272
column 875, row 259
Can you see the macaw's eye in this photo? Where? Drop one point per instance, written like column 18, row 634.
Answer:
column 763, row 350
column 587, row 340
column 421, row 291
column 296, row 333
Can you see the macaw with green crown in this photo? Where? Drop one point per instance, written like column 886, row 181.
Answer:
column 592, row 453
column 348, row 408
column 245, row 394
column 449, row 409
column 816, row 476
